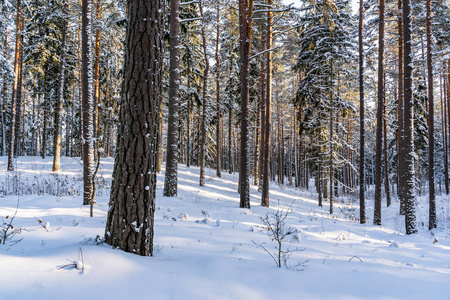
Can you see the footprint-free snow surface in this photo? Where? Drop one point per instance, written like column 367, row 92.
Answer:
column 206, row 247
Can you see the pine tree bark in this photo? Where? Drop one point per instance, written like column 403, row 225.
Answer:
column 17, row 71
column 130, row 219
column 409, row 171
column 245, row 32
column 87, row 103
column 204, row 104
column 445, row 131
column 267, row 113
column 60, row 95
column 431, row 188
column 4, row 96
column 171, row 175
column 218, row 138
column 387, row 189
column 18, row 93
column 97, row 79
column 401, row 111
column 379, row 135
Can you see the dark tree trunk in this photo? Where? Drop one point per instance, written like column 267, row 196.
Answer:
column 387, row 189
column 17, row 71
column 432, row 200
column 88, row 103
column 96, row 133
column 4, row 96
column 57, row 137
column 409, row 172
column 218, row 139
column 331, row 139
column 245, row 30
column 362, row 135
column 379, row 136
column 204, row 100
column 130, row 219
column 445, row 131
column 267, row 116
column 171, row 176
column 401, row 111
column 18, row 148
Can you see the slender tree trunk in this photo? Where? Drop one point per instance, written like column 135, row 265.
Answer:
column 188, row 128
column 409, row 172
column 401, row 111
column 4, row 96
column 205, row 87
column 230, row 141
column 267, row 113
column 160, row 145
column 218, row 140
column 18, row 92
column 387, row 189
column 379, row 136
column 17, row 71
column 171, row 175
column 245, row 30
column 60, row 96
column 97, row 80
column 88, row 103
column 130, row 219
column 445, row 130
column 431, row 188
column 331, row 139
column 262, row 111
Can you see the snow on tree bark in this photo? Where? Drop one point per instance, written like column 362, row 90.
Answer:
column 87, row 103
column 171, row 176
column 409, row 172
column 245, row 28
column 60, row 95
column 379, row 134
column 130, row 219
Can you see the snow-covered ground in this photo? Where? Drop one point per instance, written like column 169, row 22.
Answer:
column 205, row 244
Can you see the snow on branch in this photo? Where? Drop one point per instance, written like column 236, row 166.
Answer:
column 262, row 52
column 189, row 20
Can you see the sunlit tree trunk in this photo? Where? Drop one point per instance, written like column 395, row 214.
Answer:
column 130, row 219
column 172, row 153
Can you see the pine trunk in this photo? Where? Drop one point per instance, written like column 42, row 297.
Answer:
column 431, row 188
column 204, row 101
column 409, row 172
column 267, row 113
column 130, row 219
column 218, row 139
column 245, row 29
column 60, row 96
column 87, row 104
column 171, row 176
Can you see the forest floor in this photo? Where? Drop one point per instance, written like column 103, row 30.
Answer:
column 206, row 246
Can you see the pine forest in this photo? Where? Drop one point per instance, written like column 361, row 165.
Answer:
column 250, row 149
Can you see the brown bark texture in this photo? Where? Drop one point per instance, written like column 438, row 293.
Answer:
column 130, row 219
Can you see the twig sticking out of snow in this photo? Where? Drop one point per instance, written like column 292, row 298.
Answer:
column 43, row 226
column 355, row 257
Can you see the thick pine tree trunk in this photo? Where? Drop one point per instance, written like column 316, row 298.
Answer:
column 431, row 188
column 379, row 135
column 130, row 219
column 57, row 137
column 171, row 176
column 409, row 172
column 87, row 104
column 245, row 30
